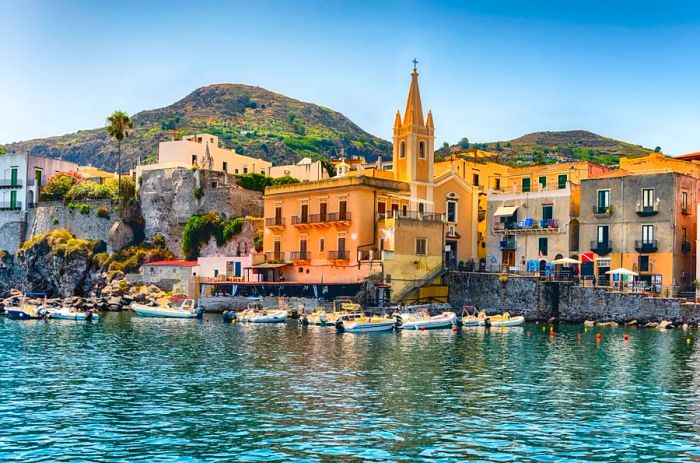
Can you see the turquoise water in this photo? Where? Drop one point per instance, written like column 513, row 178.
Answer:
column 129, row 389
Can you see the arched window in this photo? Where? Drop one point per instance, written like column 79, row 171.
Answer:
column 402, row 149
column 421, row 149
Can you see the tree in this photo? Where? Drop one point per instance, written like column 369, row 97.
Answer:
column 464, row 143
column 59, row 184
column 499, row 147
column 118, row 126
column 446, row 147
column 657, row 149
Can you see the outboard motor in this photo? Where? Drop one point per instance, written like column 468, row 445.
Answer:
column 399, row 321
column 304, row 320
column 199, row 311
column 43, row 314
column 340, row 328
column 487, row 322
column 88, row 315
column 229, row 316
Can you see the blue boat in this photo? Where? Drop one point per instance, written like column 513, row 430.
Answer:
column 27, row 311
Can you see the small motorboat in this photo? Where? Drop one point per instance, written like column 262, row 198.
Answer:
column 422, row 320
column 481, row 319
column 26, row 312
column 186, row 310
column 256, row 313
column 67, row 313
column 364, row 324
column 342, row 308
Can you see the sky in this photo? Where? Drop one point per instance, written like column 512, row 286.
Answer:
column 488, row 70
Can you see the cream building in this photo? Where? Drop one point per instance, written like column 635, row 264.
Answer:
column 305, row 170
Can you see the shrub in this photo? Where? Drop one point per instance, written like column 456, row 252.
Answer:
column 285, row 180
column 59, row 184
column 258, row 182
column 84, row 209
column 198, row 230
column 258, row 242
column 54, row 220
column 131, row 258
column 63, row 242
column 91, row 190
column 198, row 193
column 158, row 241
column 232, row 229
column 102, row 212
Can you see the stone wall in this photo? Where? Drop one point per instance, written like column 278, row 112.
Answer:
column 540, row 300
column 168, row 201
column 12, row 225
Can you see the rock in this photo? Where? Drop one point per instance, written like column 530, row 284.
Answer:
column 685, row 327
column 589, row 323
column 665, row 324
column 631, row 323
column 119, row 236
column 610, row 324
column 651, row 325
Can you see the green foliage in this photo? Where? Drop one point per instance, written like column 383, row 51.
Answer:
column 170, row 123
column 84, row 209
column 258, row 242
column 464, row 143
column 657, row 149
column 131, row 258
column 119, row 125
column 63, row 242
column 91, row 190
column 200, row 228
column 2, row 150
column 329, row 167
column 197, row 193
column 284, row 180
column 232, row 229
column 59, row 184
column 258, row 182
column 54, row 220
column 102, row 212
column 158, row 241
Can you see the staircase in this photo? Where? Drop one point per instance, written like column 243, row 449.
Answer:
column 416, row 285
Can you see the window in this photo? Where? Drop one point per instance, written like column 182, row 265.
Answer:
column 278, row 215
column 381, row 207
column 381, row 244
column 302, row 247
column 603, row 234
column 194, row 159
column 225, row 166
column 215, row 184
column 421, row 247
column 452, row 211
column 343, row 210
column 543, row 182
column 647, row 234
column 421, row 208
column 525, row 184
column 547, row 212
column 475, row 179
column 543, row 244
column 304, row 213
column 404, row 210
column 561, row 181
column 648, row 197
column 603, row 200
column 13, row 176
column 236, row 170
column 684, row 201
column 245, row 169
column 497, row 183
column 321, row 244
column 643, row 263
column 421, row 149
column 684, row 234
column 402, row 150
column 323, row 211
column 341, row 244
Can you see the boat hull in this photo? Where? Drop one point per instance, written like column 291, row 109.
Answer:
column 160, row 312
column 368, row 327
column 69, row 315
column 436, row 322
column 279, row 316
column 20, row 314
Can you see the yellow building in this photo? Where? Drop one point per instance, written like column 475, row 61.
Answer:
column 398, row 225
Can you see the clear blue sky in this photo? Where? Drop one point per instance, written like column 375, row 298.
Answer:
column 489, row 70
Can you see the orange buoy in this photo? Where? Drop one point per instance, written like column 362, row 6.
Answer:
column 627, row 337
column 551, row 334
column 579, row 336
column 529, row 332
column 599, row 336
column 422, row 328
column 206, row 319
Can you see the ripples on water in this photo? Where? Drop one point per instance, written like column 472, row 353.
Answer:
column 129, row 389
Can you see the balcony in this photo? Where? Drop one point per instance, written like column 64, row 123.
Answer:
column 338, row 255
column 327, row 219
column 274, row 222
column 275, row 257
column 645, row 246
column 9, row 183
column 602, row 211
column 601, row 248
column 528, row 225
column 508, row 245
column 412, row 215
column 9, row 206
column 297, row 256
column 648, row 210
column 686, row 246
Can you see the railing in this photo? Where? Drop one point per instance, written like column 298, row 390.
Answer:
column 602, row 210
column 510, row 244
column 645, row 211
column 528, row 224
column 646, row 245
column 338, row 255
column 686, row 246
column 339, row 217
column 274, row 222
column 436, row 272
column 8, row 206
column 412, row 215
column 321, row 218
column 601, row 247
column 300, row 255
column 9, row 183
column 371, row 254
column 273, row 257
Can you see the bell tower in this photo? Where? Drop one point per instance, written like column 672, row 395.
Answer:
column 414, row 142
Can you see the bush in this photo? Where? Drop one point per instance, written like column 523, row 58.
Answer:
column 159, row 241
column 63, row 242
column 102, row 212
column 91, row 190
column 131, row 258
column 84, row 209
column 59, row 184
column 200, row 228
column 258, row 182
column 258, row 242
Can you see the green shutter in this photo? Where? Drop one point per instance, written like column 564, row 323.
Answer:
column 562, row 181
column 526, row 185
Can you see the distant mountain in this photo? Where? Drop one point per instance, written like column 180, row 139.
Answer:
column 254, row 121
column 550, row 147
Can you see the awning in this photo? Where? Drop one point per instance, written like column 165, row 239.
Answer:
column 505, row 211
column 266, row 265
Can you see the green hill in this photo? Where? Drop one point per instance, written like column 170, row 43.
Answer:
column 254, row 121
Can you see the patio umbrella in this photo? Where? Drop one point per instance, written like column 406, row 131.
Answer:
column 621, row 271
column 565, row 261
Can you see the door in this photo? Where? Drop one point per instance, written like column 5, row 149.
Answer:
column 451, row 253
column 304, row 213
column 603, row 235
column 237, row 269
column 526, row 185
column 277, row 251
column 323, row 215
column 13, row 177
column 341, row 247
column 603, row 200
column 302, row 249
column 561, row 180
column 278, row 216
column 13, row 200
column 343, row 210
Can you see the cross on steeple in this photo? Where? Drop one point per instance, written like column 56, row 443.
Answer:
column 415, row 61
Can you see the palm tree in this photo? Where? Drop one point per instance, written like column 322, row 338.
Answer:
column 118, row 126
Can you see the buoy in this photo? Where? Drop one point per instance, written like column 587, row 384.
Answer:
column 627, row 337
column 529, row 332
column 543, row 327
column 551, row 334
column 585, row 329
column 688, row 340
column 454, row 327
column 422, row 328
column 599, row 336
column 206, row 319
column 579, row 336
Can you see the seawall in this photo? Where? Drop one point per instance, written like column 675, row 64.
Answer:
column 540, row 300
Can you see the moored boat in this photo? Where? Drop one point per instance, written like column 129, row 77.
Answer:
column 423, row 320
column 67, row 313
column 256, row 313
column 481, row 319
column 365, row 324
column 185, row 310
column 26, row 312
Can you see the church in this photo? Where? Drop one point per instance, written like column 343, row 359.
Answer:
column 398, row 227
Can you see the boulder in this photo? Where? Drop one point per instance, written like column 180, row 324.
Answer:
column 631, row 323
column 665, row 324
column 589, row 323
column 120, row 235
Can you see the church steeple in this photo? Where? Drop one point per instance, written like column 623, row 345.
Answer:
column 414, row 107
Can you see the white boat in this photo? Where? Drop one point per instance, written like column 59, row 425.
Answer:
column 67, row 313
column 342, row 308
column 422, row 320
column 481, row 319
column 185, row 310
column 365, row 324
column 256, row 313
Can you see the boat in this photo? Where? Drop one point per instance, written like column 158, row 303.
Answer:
column 364, row 324
column 342, row 307
column 26, row 312
column 481, row 319
column 256, row 313
column 185, row 310
column 67, row 313
column 422, row 319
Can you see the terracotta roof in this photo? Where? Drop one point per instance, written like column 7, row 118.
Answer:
column 174, row 263
column 689, row 156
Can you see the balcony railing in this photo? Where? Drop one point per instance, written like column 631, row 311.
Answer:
column 646, row 211
column 412, row 215
column 274, row 222
column 601, row 248
column 602, row 211
column 300, row 255
column 528, row 225
column 509, row 245
column 9, row 183
column 686, row 246
column 321, row 218
column 339, row 217
column 9, row 206
column 646, row 245
column 274, row 257
column 338, row 255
